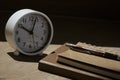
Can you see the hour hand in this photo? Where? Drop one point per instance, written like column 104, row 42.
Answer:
column 21, row 26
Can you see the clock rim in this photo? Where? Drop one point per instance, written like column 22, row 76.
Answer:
column 11, row 25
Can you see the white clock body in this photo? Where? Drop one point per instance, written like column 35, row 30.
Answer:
column 29, row 31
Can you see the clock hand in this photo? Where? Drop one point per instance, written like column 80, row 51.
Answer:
column 33, row 41
column 33, row 26
column 25, row 29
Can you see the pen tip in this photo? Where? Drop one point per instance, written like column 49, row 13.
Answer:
column 69, row 44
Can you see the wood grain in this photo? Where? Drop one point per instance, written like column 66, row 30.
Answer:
column 13, row 68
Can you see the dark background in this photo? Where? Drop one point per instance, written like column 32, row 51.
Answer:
column 93, row 21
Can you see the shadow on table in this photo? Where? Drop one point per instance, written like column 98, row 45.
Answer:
column 26, row 58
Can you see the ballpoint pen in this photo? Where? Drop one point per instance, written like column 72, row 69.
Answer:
column 93, row 52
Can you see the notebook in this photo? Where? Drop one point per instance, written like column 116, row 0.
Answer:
column 91, row 63
column 50, row 64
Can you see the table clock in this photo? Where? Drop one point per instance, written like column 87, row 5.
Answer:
column 29, row 31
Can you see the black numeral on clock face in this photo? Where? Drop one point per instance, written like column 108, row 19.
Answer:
column 20, row 25
column 30, row 46
column 44, row 32
column 41, row 38
column 33, row 18
column 19, row 40
column 24, row 43
column 24, row 20
column 37, row 44
column 16, row 32
column 42, row 24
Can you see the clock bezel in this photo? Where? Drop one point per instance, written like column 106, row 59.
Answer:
column 11, row 27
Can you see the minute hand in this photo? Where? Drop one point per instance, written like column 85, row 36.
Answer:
column 33, row 25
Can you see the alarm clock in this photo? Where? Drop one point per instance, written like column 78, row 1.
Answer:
column 29, row 31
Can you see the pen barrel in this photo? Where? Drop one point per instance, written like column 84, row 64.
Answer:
column 80, row 49
column 111, row 56
column 97, row 53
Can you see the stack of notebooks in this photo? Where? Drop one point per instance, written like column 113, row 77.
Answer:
column 81, row 66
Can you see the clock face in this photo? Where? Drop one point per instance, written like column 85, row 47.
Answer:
column 32, row 32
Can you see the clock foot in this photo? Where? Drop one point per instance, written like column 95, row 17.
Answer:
column 16, row 53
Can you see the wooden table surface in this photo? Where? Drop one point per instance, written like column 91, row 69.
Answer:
column 23, row 67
